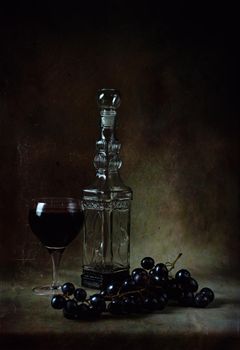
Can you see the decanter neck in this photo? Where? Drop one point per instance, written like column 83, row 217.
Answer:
column 108, row 125
column 107, row 159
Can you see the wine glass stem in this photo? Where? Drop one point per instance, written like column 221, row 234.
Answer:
column 56, row 255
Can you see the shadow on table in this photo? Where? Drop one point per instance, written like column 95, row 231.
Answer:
column 220, row 302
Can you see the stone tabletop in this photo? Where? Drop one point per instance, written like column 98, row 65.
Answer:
column 28, row 322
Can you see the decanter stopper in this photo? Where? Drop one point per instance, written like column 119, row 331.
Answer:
column 108, row 101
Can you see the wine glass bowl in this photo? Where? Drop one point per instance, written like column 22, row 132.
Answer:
column 56, row 222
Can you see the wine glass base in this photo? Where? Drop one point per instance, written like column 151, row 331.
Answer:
column 47, row 290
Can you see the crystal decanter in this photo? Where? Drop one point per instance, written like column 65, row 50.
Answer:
column 107, row 205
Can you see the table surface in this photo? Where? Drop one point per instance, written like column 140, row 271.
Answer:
column 27, row 321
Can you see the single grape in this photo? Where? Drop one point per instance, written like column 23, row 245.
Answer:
column 147, row 263
column 94, row 311
column 155, row 304
column 115, row 307
column 128, row 285
column 157, row 280
column 83, row 310
column 136, row 302
column 162, row 302
column 186, row 299
column 150, row 303
column 128, row 305
column 140, row 277
column 182, row 275
column 174, row 289
column 207, row 292
column 70, row 306
column 80, row 294
column 58, row 302
column 137, row 270
column 155, row 289
column 70, row 316
column 201, row 300
column 161, row 270
column 98, row 302
column 163, row 294
column 68, row 288
column 190, row 285
column 112, row 288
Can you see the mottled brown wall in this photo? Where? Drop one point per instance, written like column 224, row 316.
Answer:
column 178, row 124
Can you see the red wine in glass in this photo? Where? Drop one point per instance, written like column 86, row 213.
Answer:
column 56, row 222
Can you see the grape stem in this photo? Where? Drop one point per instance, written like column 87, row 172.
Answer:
column 172, row 265
column 120, row 295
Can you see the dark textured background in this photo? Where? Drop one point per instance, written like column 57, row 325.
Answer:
column 176, row 68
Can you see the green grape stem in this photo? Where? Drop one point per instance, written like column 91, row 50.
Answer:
column 172, row 265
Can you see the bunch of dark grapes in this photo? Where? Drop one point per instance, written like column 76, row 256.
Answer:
column 75, row 303
column 148, row 288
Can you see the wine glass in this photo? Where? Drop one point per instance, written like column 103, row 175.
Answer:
column 56, row 222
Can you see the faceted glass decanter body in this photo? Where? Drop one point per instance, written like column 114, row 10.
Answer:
column 107, row 205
